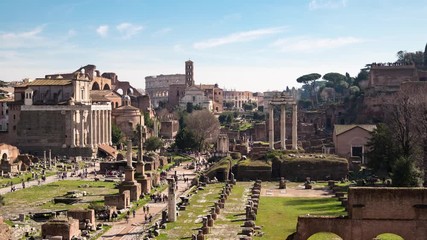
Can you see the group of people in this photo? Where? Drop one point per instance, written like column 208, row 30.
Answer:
column 159, row 197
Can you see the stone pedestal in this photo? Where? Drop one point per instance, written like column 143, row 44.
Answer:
column 140, row 169
column 133, row 187
column 145, row 184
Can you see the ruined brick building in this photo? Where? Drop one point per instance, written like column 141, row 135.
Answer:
column 70, row 113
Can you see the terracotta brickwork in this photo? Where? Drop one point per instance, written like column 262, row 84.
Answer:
column 373, row 211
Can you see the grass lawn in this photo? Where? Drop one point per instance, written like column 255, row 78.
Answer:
column 278, row 216
column 4, row 182
column 231, row 218
column 38, row 198
column 190, row 220
column 228, row 223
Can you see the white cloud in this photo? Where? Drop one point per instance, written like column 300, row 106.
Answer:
column 102, row 30
column 34, row 33
column 26, row 39
column 237, row 37
column 128, row 29
column 162, row 32
column 326, row 4
column 303, row 44
column 71, row 33
column 178, row 48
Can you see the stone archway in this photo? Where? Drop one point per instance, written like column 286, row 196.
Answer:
column 106, row 87
column 4, row 158
column 389, row 236
column 325, row 235
column 120, row 91
column 130, row 91
column 95, row 86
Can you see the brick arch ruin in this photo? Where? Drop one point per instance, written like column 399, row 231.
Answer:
column 371, row 212
column 95, row 86
column 3, row 158
column 335, row 236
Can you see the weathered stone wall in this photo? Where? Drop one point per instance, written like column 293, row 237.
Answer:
column 43, row 127
column 5, row 231
column 392, row 75
column 388, row 203
column 374, row 211
column 65, row 228
column 260, row 132
column 120, row 201
column 82, row 215
column 253, row 171
column 169, row 129
column 316, row 169
column 8, row 152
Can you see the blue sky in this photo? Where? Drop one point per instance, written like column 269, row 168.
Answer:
column 254, row 45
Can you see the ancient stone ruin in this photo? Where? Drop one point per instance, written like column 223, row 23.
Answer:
column 371, row 212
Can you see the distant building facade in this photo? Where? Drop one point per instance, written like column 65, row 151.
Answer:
column 351, row 140
column 58, row 114
column 239, row 98
column 196, row 97
column 157, row 87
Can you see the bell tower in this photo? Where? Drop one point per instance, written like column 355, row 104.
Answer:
column 189, row 73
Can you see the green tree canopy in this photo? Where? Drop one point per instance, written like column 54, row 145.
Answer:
column 335, row 78
column 405, row 173
column 185, row 140
column 405, row 57
column 383, row 151
column 147, row 120
column 116, row 135
column 309, row 78
column 153, row 143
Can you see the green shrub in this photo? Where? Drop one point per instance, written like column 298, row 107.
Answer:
column 236, row 155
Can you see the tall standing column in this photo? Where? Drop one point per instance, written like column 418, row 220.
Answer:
column 73, row 128
column 271, row 126
column 105, row 127
column 82, row 128
column 90, row 139
column 99, row 126
column 283, row 126
column 109, row 127
column 95, row 128
column 50, row 158
column 294, row 127
column 171, row 200
column 44, row 159
column 102, row 118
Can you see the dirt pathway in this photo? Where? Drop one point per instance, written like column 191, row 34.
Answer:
column 136, row 226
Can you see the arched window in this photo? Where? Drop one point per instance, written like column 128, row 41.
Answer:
column 95, row 86
column 389, row 236
column 325, row 235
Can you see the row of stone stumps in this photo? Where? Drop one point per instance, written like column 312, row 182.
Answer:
column 208, row 221
column 249, row 226
column 339, row 193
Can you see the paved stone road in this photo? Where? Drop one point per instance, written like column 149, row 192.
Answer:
column 135, row 227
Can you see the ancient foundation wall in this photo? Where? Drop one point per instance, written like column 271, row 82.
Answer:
column 82, row 215
column 120, row 201
column 316, row 169
column 65, row 228
column 253, row 173
column 387, row 203
column 350, row 229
